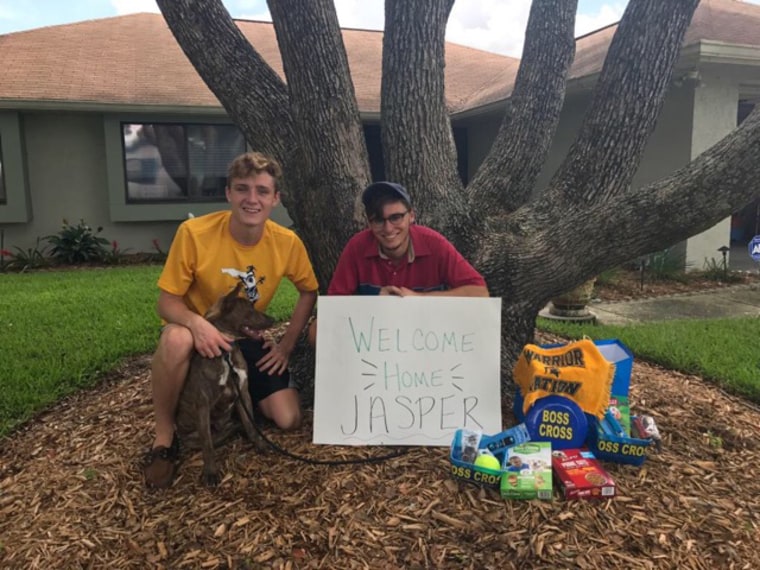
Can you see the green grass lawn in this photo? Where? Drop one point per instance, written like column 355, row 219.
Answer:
column 725, row 351
column 60, row 330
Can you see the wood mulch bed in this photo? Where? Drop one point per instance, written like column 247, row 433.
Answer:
column 627, row 285
column 71, row 492
column 72, row 496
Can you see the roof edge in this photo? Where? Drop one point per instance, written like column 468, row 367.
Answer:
column 94, row 106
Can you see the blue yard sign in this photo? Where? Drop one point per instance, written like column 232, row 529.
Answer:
column 754, row 248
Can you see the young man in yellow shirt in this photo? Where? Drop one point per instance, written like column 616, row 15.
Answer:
column 209, row 255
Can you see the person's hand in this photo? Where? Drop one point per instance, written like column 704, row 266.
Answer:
column 208, row 341
column 398, row 291
column 275, row 361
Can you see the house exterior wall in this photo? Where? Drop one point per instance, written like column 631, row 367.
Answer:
column 75, row 171
column 481, row 132
column 716, row 100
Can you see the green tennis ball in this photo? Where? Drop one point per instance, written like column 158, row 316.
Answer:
column 487, row 462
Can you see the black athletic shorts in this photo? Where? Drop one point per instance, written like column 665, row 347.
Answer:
column 261, row 384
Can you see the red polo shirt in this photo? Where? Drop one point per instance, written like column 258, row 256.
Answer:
column 436, row 266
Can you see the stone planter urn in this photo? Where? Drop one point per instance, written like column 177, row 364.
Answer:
column 573, row 305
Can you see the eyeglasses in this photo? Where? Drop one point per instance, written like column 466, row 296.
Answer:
column 394, row 219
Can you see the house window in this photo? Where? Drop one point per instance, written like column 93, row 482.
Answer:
column 168, row 162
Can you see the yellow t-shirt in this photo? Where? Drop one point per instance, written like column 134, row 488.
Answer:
column 205, row 262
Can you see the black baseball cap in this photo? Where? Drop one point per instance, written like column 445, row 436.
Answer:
column 388, row 188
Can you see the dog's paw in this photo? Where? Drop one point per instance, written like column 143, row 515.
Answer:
column 211, row 478
column 260, row 445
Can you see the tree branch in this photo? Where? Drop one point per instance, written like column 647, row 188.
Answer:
column 626, row 102
column 326, row 116
column 251, row 92
column 418, row 145
column 718, row 182
column 691, row 200
column 508, row 175
column 323, row 101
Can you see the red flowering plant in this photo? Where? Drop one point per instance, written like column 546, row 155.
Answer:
column 3, row 254
column 29, row 258
column 160, row 254
column 115, row 255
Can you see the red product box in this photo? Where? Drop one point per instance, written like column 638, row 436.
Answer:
column 581, row 476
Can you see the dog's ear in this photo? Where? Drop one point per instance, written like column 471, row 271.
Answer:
column 230, row 297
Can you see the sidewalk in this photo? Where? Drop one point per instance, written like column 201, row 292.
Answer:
column 737, row 301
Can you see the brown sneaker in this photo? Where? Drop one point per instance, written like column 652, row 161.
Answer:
column 160, row 465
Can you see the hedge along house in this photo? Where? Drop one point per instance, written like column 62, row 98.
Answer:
column 107, row 121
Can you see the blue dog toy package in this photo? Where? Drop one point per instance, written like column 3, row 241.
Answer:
column 479, row 458
column 609, row 440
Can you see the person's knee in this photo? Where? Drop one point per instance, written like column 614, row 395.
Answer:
column 288, row 420
column 175, row 344
column 175, row 347
column 283, row 408
column 170, row 364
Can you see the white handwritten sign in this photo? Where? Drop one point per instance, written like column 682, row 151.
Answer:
column 406, row 370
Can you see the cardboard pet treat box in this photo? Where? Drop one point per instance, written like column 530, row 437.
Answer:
column 581, row 476
column 527, row 472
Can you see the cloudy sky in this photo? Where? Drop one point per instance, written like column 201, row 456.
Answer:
column 493, row 25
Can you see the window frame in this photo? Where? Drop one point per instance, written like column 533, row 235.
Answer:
column 121, row 208
column 17, row 206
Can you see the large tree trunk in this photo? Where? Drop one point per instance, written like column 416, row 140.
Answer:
column 529, row 245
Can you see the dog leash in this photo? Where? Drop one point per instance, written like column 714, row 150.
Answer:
column 397, row 453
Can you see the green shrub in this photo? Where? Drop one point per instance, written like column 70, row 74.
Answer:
column 608, row 276
column 29, row 258
column 718, row 271
column 665, row 265
column 115, row 255
column 77, row 244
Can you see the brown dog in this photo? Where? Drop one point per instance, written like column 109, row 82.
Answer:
column 205, row 412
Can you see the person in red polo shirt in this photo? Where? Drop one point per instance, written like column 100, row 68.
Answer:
column 395, row 256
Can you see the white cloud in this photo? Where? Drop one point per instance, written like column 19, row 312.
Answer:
column 363, row 14
column 491, row 25
column 8, row 13
column 607, row 14
column 369, row 15
column 132, row 6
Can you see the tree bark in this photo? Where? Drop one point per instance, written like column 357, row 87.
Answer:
column 418, row 144
column 331, row 155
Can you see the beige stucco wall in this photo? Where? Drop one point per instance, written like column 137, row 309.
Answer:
column 716, row 99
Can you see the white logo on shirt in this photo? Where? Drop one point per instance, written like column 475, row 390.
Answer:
column 248, row 278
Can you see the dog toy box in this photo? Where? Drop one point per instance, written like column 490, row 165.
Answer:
column 580, row 476
column 478, row 458
column 605, row 408
column 609, row 440
column 528, row 471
